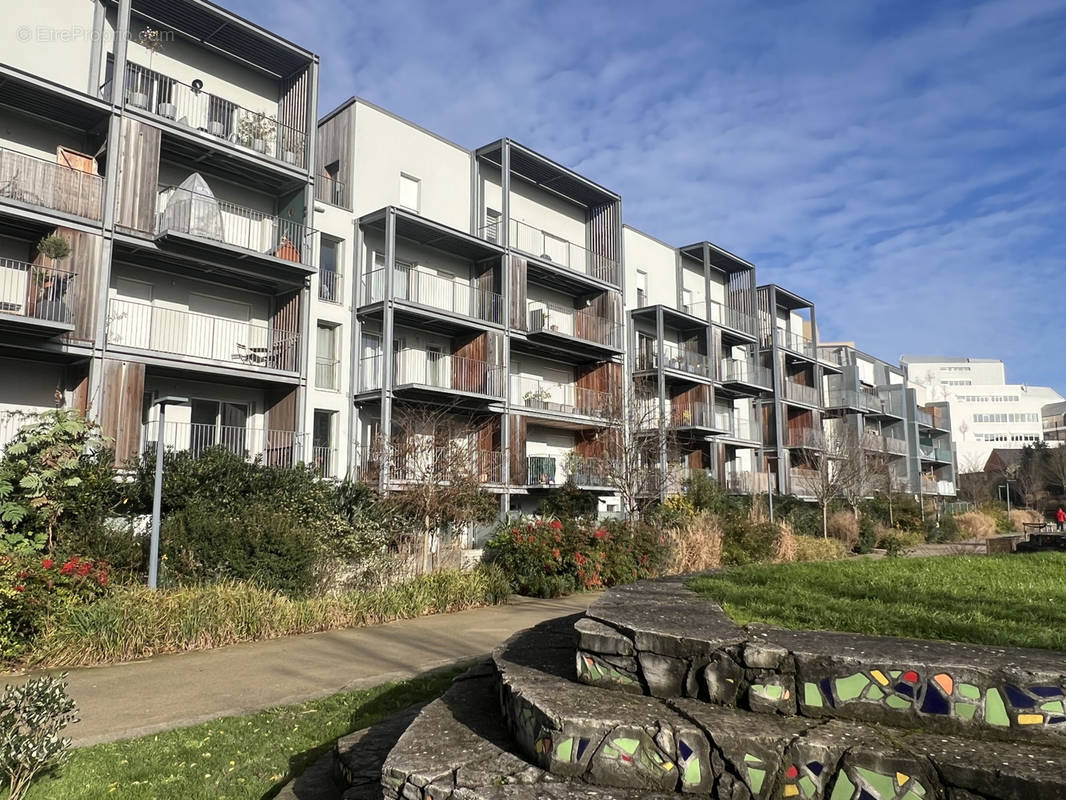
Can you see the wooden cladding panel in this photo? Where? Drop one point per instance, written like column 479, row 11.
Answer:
column 334, row 144
column 739, row 291
column 85, row 262
column 604, row 223
column 122, row 390
column 516, row 446
column 518, row 293
column 281, row 409
column 138, row 176
column 487, row 276
column 76, row 381
column 293, row 107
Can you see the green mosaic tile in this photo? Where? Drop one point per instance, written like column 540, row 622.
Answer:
column 895, row 673
column 995, row 711
column 693, row 773
column 850, row 687
column 755, row 779
column 965, row 711
column 627, row 746
column 895, row 701
column 969, row 691
column 874, row 693
column 812, row 695
column 844, row 788
column 884, row 785
column 565, row 749
column 1055, row 707
column 752, row 759
column 807, row 786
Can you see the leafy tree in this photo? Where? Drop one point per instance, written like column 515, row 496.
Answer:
column 41, row 475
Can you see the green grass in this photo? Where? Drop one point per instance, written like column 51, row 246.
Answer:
column 235, row 758
column 1013, row 600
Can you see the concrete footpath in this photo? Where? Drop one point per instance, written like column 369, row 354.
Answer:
column 172, row 691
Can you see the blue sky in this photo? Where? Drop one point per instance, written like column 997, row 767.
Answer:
column 901, row 164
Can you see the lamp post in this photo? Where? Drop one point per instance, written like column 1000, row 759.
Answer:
column 157, row 492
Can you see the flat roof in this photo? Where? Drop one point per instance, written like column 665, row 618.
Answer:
column 793, row 299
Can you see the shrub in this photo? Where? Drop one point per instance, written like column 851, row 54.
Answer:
column 31, row 719
column 946, row 529
column 706, row 494
column 843, row 527
column 867, row 534
column 816, row 548
column 746, row 541
column 135, row 622
column 569, row 502
column 805, row 518
column 695, row 545
column 548, row 559
column 976, row 525
column 35, row 589
column 260, row 545
column 1019, row 516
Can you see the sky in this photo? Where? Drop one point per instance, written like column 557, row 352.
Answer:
column 901, row 164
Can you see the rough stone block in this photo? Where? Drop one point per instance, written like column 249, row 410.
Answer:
column 629, row 758
column 770, row 692
column 596, row 637
column 664, row 676
column 759, row 654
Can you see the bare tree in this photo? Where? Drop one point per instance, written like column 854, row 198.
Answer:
column 436, row 467
column 975, row 485
column 876, row 476
column 1055, row 466
column 835, row 472
column 634, row 440
column 1030, row 473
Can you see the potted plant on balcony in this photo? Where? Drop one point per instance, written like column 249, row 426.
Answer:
column 151, row 40
column 48, row 299
column 537, row 398
column 256, row 130
column 292, row 145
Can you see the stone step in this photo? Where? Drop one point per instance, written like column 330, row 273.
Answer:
column 607, row 738
column 659, row 638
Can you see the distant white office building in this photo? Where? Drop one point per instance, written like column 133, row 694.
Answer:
column 986, row 411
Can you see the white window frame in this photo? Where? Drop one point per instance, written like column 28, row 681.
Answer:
column 417, row 208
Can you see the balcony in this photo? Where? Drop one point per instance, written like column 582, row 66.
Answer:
column 742, row 482
column 431, row 463
column 924, row 418
column 187, row 334
column 808, row 438
column 436, row 292
column 34, row 182
column 331, row 191
column 329, row 287
column 196, row 217
column 272, row 447
column 202, row 113
column 418, row 369
column 795, row 342
column 553, row 471
column 696, row 415
column 732, row 318
column 884, row 444
column 945, row 488
column 743, row 371
column 36, row 296
column 324, row 461
column 556, row 250
column 800, row 393
column 559, row 321
column 736, row 426
column 942, row 454
column 804, row 482
column 676, row 358
column 559, row 398
column 928, row 484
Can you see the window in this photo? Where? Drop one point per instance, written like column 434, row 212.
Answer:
column 957, row 383
column 328, row 270
column 327, row 362
column 370, row 363
column 642, row 288
column 322, row 442
column 216, row 423
column 410, row 190
column 492, row 224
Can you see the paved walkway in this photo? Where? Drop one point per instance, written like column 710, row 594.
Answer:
column 172, row 691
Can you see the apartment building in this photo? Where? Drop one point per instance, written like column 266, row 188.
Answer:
column 986, row 411
column 872, row 400
column 170, row 144
column 1053, row 421
column 316, row 287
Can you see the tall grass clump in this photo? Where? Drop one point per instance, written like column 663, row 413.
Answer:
column 135, row 622
column 976, row 525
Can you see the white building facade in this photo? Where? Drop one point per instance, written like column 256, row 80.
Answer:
column 986, row 411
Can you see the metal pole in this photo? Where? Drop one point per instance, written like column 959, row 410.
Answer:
column 770, row 492
column 157, row 501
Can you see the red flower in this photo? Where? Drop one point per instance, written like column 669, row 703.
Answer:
column 47, row 563
column 601, row 533
column 20, row 588
column 580, row 559
column 68, row 568
column 23, row 573
column 85, row 568
column 102, row 579
column 555, row 552
column 557, row 525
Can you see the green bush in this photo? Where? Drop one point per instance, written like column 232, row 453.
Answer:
column 549, row 559
column 259, row 544
column 32, row 716
column 867, row 534
column 906, row 513
column 811, row 548
column 745, row 541
column 569, row 502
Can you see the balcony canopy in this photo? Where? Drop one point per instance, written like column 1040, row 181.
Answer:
column 419, row 230
column 216, row 28
column 28, row 94
column 548, row 174
column 786, row 299
column 717, row 257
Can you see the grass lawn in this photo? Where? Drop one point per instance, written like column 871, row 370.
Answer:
column 237, row 757
column 1017, row 600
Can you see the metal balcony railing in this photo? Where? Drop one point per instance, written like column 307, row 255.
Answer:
column 210, row 219
column 579, row 324
column 926, row 451
column 736, row 425
column 744, row 371
column 804, row 437
column 36, row 292
column 945, row 488
column 273, row 447
column 432, row 290
column 697, row 415
column 796, row 342
column 675, row 357
column 144, row 326
column 324, row 460
column 436, row 370
column 743, row 482
column 417, row 462
column 803, row 482
column 924, row 417
column 197, row 110
column 697, row 308
column 842, row 398
column 928, row 484
column 553, row 471
column 561, row 398
column 942, row 454
column 327, row 373
column 329, row 286
column 800, row 393
column 895, row 445
column 722, row 314
column 46, row 184
column 548, row 247
column 330, row 190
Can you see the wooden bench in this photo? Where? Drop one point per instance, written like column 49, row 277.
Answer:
column 1035, row 527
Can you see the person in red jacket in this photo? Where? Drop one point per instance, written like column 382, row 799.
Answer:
column 1060, row 517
